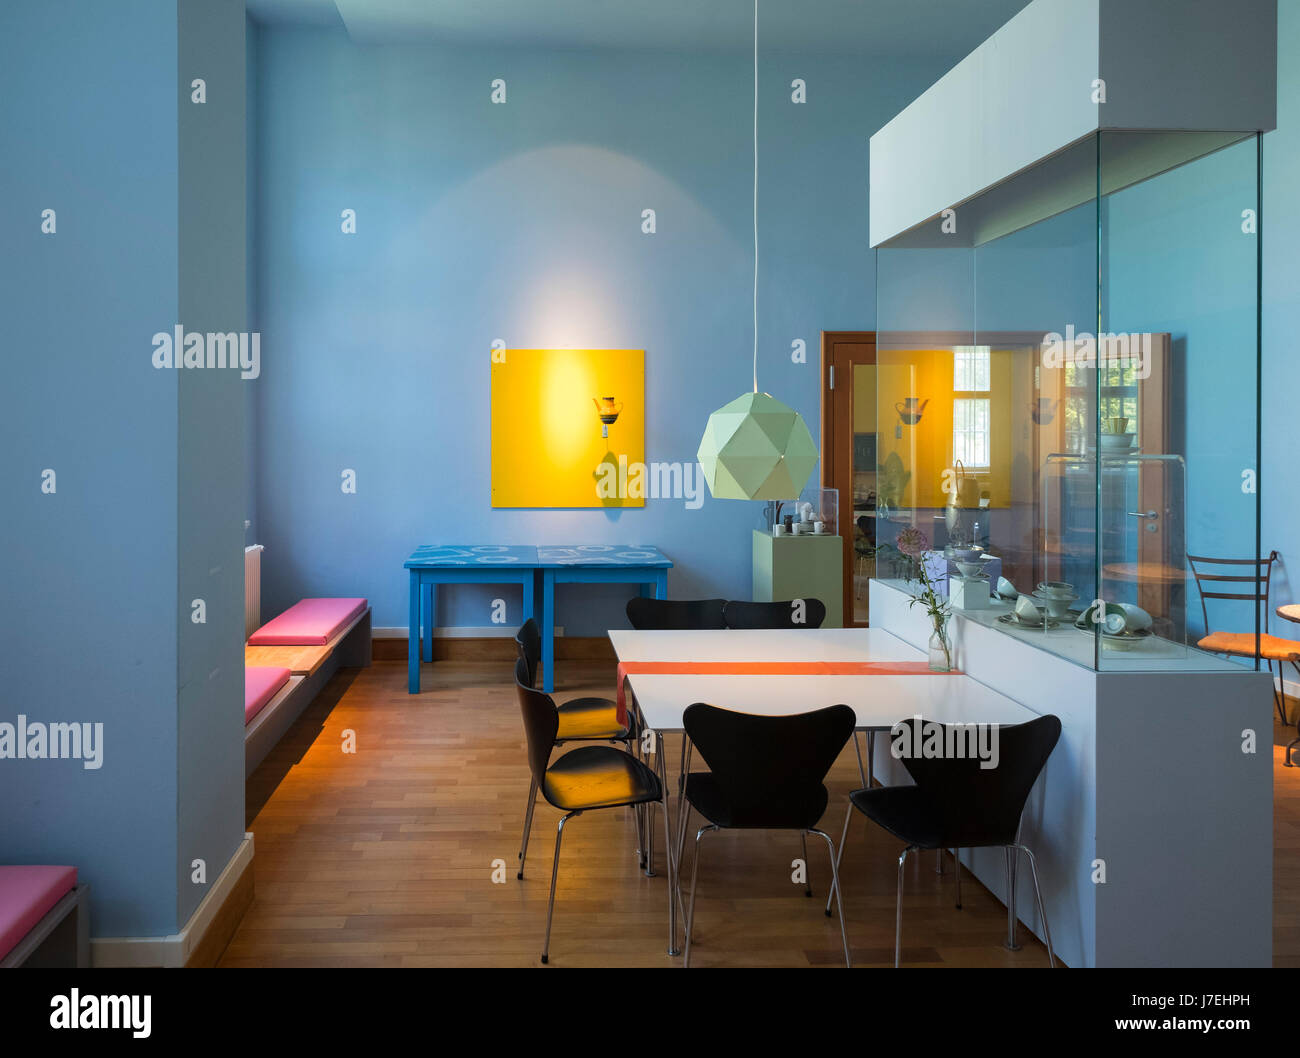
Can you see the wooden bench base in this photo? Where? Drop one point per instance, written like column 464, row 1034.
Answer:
column 311, row 667
column 61, row 939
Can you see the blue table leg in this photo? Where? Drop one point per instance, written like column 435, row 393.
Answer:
column 529, row 584
column 413, row 637
column 429, row 609
column 661, row 584
column 548, row 630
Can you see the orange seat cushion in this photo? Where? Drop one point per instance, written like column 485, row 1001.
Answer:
column 1242, row 644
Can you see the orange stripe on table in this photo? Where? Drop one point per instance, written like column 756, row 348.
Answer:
column 767, row 668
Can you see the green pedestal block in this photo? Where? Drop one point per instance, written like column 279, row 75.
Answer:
column 801, row 567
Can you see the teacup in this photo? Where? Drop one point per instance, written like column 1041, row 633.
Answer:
column 1057, row 607
column 1028, row 612
column 1057, row 589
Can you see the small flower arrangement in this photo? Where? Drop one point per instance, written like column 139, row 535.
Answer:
column 913, row 543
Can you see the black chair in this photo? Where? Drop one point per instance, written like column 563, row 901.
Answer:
column 660, row 614
column 766, row 773
column 582, row 780
column 957, row 804
column 812, row 614
column 797, row 613
column 581, row 720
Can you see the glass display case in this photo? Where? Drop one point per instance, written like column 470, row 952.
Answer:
column 1067, row 379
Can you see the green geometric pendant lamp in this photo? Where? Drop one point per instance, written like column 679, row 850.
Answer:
column 756, row 448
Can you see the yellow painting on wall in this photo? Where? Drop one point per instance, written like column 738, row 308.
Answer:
column 568, row 427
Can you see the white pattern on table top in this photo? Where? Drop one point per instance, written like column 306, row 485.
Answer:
column 879, row 701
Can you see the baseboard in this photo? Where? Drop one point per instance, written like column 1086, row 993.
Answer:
column 495, row 648
column 460, row 632
column 203, row 938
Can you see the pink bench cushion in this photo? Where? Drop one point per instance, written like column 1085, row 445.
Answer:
column 261, row 684
column 26, row 896
column 308, row 622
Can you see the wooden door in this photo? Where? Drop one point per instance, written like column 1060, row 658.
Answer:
column 848, row 455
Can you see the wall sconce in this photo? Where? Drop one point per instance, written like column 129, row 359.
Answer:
column 608, row 409
column 910, row 409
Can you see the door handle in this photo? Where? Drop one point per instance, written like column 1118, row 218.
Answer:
column 1141, row 514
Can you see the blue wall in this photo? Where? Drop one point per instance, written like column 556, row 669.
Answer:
column 522, row 222
column 88, row 111
column 1280, row 479
column 210, row 446
column 99, row 575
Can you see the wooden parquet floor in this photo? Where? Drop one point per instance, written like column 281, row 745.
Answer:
column 384, row 857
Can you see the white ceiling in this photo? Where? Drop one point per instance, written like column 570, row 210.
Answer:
column 948, row 28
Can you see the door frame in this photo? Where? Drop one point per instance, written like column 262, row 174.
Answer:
column 829, row 469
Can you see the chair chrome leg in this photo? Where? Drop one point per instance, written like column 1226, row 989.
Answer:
column 1042, row 911
column 1279, row 695
column 835, row 881
column 844, row 837
column 683, row 819
column 690, row 908
column 674, row 894
column 1011, row 944
column 1286, row 760
column 862, row 772
column 650, row 839
column 555, row 870
column 898, row 914
column 807, row 869
column 956, row 870
column 683, row 809
column 938, row 861
column 871, row 759
column 528, row 826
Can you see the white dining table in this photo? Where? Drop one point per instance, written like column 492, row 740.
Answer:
column 879, row 700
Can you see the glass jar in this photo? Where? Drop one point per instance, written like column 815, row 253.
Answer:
column 940, row 648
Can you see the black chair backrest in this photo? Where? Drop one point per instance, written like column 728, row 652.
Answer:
column 767, row 766
column 676, row 613
column 797, row 613
column 1259, row 578
column 977, row 806
column 541, row 721
column 529, row 641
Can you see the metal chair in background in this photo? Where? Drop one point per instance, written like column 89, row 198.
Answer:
column 1270, row 648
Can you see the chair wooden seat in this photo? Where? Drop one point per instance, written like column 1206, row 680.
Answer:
column 1242, row 644
column 599, row 777
column 590, row 719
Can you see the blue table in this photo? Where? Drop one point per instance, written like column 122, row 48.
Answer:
column 595, row 564
column 432, row 565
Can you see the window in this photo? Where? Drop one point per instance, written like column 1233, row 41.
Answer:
column 1117, row 393
column 970, row 406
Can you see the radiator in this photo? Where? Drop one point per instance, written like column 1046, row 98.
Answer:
column 252, row 589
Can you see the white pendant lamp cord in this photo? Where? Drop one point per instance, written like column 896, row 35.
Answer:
column 755, row 196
